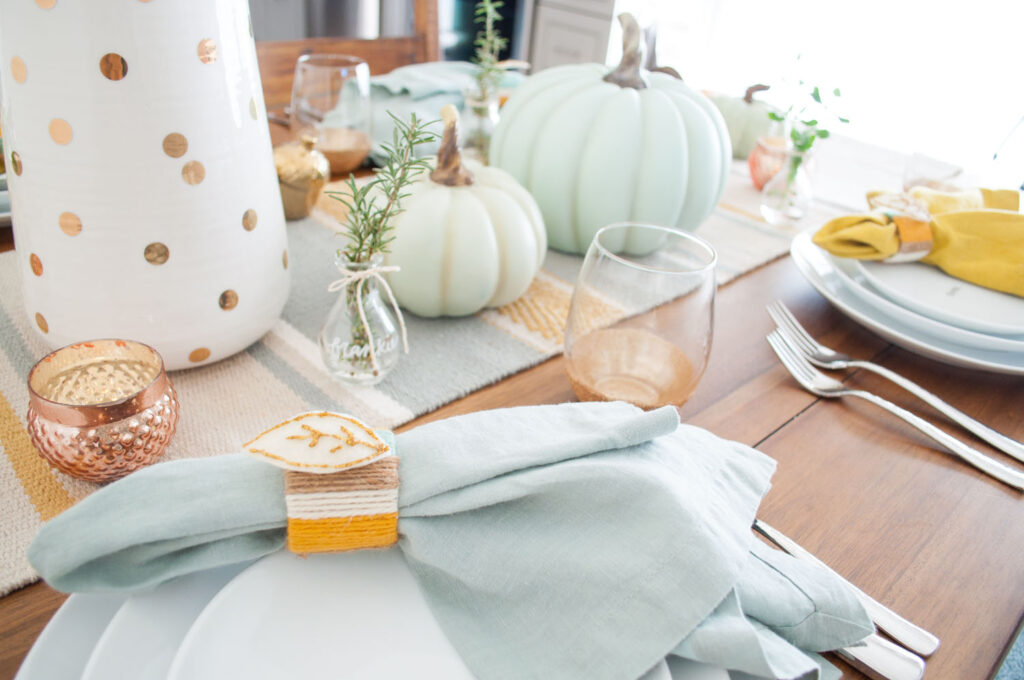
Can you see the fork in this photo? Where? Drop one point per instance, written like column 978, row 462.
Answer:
column 816, row 382
column 824, row 357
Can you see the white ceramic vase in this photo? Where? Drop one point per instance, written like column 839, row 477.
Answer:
column 144, row 196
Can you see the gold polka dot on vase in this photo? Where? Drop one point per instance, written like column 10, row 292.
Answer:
column 18, row 70
column 156, row 253
column 46, row 4
column 175, row 145
column 193, row 172
column 253, row 111
column 113, row 66
column 36, row 264
column 60, row 131
column 70, row 223
column 41, row 322
column 207, row 50
column 199, row 354
column 249, row 219
column 284, row 259
column 16, row 163
column 228, row 300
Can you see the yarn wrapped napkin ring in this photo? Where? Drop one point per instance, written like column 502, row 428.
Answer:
column 341, row 482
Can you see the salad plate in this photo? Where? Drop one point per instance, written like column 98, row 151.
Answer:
column 857, row 284
column 357, row 614
column 931, row 292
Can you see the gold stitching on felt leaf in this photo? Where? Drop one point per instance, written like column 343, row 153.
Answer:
column 346, row 436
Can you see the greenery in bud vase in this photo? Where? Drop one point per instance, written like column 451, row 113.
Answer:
column 787, row 196
column 482, row 105
column 360, row 339
column 489, row 45
column 802, row 129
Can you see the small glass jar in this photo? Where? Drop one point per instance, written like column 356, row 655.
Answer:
column 766, row 159
column 787, row 196
column 480, row 118
column 360, row 341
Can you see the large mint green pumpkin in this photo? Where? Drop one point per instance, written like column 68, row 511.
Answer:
column 593, row 153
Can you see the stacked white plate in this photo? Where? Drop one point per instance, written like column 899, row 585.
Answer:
column 357, row 615
column 921, row 308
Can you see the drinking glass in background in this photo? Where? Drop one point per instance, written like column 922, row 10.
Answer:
column 613, row 350
column 925, row 171
column 331, row 102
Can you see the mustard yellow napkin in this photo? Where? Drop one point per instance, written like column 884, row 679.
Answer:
column 976, row 235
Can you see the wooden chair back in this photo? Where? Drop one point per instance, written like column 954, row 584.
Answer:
column 277, row 57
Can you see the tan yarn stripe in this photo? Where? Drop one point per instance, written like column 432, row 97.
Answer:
column 382, row 474
column 46, row 493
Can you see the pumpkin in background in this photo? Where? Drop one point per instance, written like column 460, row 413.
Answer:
column 747, row 120
column 468, row 236
column 595, row 147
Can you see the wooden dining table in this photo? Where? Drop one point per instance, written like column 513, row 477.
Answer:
column 927, row 535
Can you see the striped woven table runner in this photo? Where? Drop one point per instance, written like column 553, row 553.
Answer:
column 224, row 404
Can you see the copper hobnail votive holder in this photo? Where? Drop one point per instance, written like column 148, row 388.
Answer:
column 101, row 409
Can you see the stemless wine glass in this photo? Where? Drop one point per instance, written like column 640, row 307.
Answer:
column 331, row 102
column 640, row 321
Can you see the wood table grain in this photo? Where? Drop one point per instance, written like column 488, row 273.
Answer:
column 909, row 524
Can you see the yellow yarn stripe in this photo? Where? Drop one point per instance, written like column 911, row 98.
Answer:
column 43, row 489
column 337, row 534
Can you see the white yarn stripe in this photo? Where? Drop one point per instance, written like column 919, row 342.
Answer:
column 341, row 504
column 305, row 359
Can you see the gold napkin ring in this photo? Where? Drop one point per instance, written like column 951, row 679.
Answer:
column 341, row 482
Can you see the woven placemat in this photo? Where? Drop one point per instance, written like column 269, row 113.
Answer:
column 227, row 403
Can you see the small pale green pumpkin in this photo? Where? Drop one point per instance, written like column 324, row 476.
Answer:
column 468, row 236
column 747, row 119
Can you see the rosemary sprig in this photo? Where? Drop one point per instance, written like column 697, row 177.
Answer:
column 372, row 208
column 489, row 44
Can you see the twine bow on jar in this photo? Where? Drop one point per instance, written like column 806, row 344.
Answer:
column 359, row 278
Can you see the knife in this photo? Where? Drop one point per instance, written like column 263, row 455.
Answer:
column 908, row 634
column 879, row 658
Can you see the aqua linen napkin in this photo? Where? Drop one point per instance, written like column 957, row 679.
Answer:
column 423, row 89
column 573, row 541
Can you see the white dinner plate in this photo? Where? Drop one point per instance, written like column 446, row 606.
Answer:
column 931, row 292
column 817, row 267
column 353, row 615
column 64, row 646
column 142, row 638
column 856, row 283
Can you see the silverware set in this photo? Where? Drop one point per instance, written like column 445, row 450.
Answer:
column 802, row 355
column 876, row 656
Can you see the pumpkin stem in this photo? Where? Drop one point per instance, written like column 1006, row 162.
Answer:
column 449, row 170
column 651, row 60
column 627, row 73
column 752, row 90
